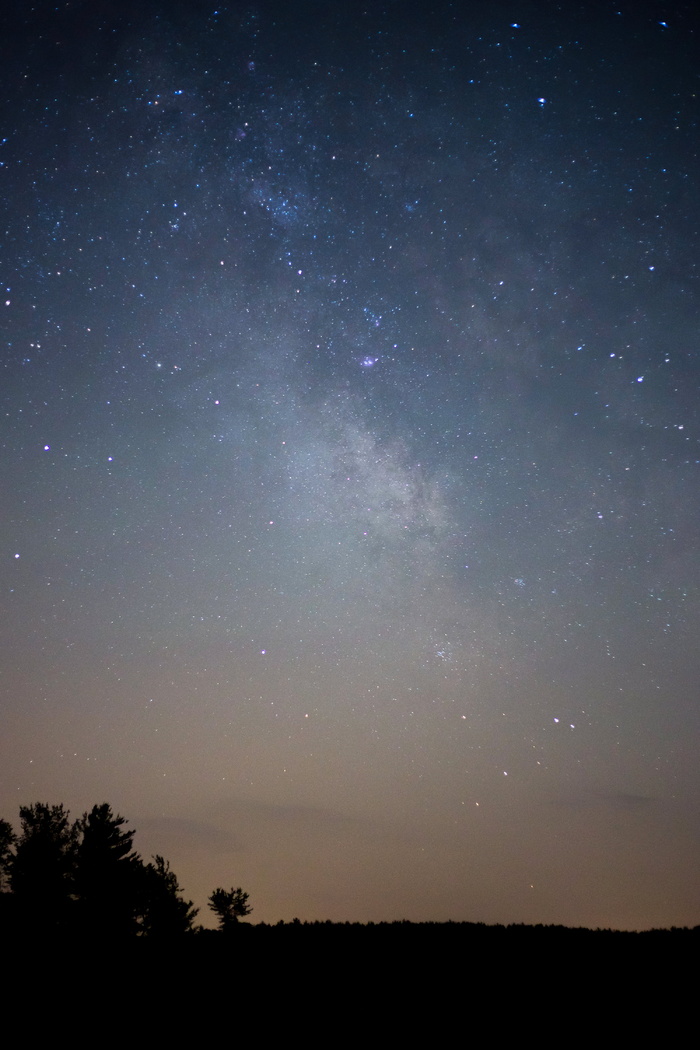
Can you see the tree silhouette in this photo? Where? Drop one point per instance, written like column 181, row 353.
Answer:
column 85, row 877
column 229, row 906
column 163, row 912
column 41, row 872
column 107, row 871
column 7, row 841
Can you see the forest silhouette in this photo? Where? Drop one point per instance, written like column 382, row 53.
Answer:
column 83, row 878
column 66, row 882
column 92, row 931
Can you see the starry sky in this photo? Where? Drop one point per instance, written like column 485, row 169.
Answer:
column 349, row 449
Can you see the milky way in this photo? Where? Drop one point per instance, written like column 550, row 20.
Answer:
column 350, row 450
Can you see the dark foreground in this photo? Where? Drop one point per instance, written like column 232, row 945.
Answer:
column 327, row 982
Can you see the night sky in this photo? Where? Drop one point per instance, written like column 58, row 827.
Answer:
column 349, row 449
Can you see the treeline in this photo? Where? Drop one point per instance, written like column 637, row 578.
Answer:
column 83, row 877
